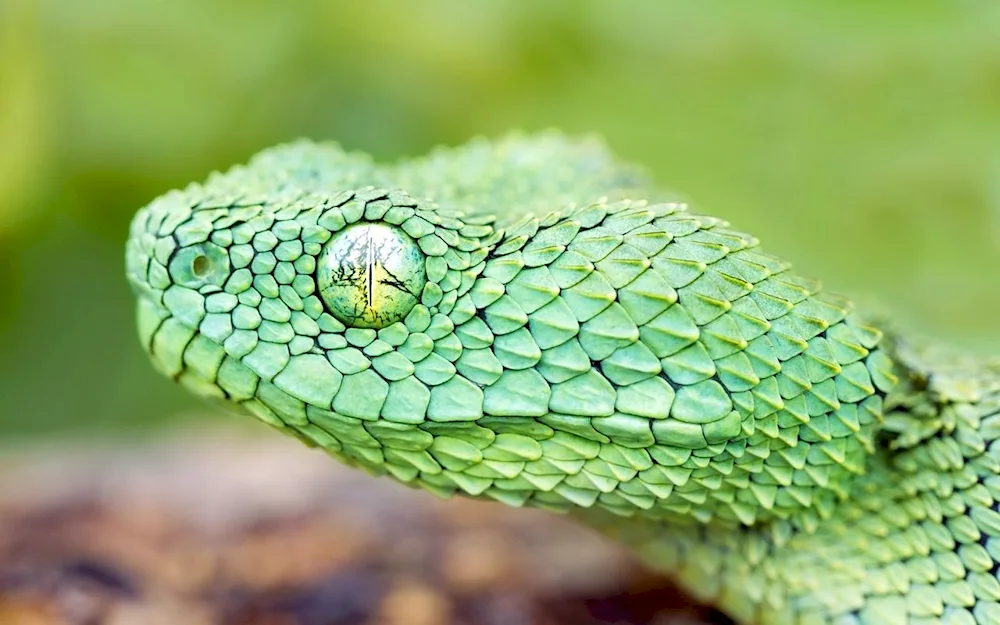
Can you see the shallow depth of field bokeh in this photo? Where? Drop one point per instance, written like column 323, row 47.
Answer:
column 861, row 140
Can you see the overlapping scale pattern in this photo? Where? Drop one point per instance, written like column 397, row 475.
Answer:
column 594, row 354
column 918, row 541
column 679, row 369
column 638, row 357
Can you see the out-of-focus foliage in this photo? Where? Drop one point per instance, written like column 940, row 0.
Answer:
column 859, row 139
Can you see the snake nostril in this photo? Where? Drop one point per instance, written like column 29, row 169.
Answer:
column 200, row 266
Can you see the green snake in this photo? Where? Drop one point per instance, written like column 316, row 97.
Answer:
column 531, row 321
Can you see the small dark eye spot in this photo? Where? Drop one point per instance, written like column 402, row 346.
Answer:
column 199, row 266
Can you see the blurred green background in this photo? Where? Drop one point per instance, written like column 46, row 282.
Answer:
column 859, row 139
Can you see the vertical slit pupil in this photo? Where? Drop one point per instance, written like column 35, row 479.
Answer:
column 370, row 269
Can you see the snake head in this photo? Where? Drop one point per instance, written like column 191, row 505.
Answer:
column 611, row 353
column 301, row 296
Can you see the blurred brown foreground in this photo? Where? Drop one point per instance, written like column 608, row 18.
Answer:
column 243, row 527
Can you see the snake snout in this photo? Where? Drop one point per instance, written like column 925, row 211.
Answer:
column 177, row 267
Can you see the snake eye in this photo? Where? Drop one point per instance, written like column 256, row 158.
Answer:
column 370, row 275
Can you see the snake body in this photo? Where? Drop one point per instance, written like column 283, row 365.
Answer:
column 533, row 322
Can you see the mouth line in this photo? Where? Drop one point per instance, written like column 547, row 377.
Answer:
column 164, row 336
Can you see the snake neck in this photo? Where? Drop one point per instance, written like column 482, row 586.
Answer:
column 916, row 537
